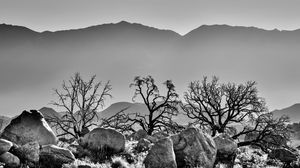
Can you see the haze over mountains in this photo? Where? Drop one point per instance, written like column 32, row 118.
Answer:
column 292, row 111
column 32, row 63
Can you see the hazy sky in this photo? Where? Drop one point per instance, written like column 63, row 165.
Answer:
column 178, row 15
column 181, row 16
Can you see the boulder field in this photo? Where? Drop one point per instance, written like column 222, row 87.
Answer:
column 29, row 140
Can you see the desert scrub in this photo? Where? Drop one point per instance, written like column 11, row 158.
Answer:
column 250, row 158
column 87, row 162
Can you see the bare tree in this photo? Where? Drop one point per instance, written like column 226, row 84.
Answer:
column 266, row 132
column 223, row 106
column 80, row 99
column 160, row 108
column 219, row 105
column 119, row 121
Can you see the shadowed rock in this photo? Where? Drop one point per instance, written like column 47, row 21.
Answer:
column 29, row 127
column 10, row 160
column 194, row 148
column 103, row 143
column 99, row 138
column 226, row 149
column 53, row 156
column 161, row 155
column 140, row 134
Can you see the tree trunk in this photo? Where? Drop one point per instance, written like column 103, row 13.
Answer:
column 245, row 143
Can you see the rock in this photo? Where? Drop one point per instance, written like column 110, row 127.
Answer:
column 138, row 135
column 194, row 148
column 284, row 155
column 107, row 141
column 10, row 160
column 160, row 135
column 161, row 155
column 29, row 127
column 53, row 156
column 28, row 153
column 152, row 139
column 226, row 149
column 143, row 145
column 5, row 146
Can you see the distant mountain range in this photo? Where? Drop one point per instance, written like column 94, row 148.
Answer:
column 120, row 51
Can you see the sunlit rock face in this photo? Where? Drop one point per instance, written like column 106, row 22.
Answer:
column 28, row 127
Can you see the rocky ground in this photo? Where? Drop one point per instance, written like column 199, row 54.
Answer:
column 28, row 141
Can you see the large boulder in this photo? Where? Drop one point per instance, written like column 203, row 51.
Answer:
column 5, row 146
column 29, row 127
column 101, row 138
column 160, row 135
column 161, row 155
column 103, row 143
column 282, row 154
column 226, row 149
column 52, row 156
column 10, row 160
column 194, row 148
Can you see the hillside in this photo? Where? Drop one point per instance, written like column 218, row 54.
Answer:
column 293, row 112
column 49, row 112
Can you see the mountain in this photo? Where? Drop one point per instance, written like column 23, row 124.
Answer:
column 293, row 112
column 49, row 112
column 35, row 62
column 126, row 106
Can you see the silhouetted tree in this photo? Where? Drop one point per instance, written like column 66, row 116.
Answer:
column 160, row 108
column 80, row 99
column 219, row 105
column 266, row 132
column 119, row 121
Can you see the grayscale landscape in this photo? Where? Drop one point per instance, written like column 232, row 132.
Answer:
column 142, row 84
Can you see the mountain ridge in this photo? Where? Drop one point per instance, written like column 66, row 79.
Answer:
column 124, row 22
column 38, row 61
column 292, row 111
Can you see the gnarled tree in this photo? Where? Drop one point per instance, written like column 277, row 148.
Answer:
column 220, row 105
column 160, row 108
column 80, row 100
column 266, row 132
